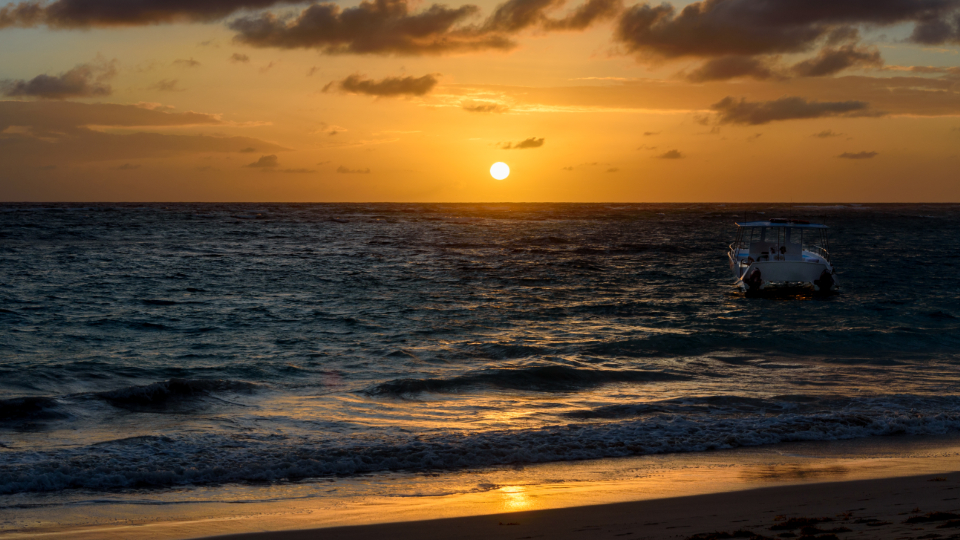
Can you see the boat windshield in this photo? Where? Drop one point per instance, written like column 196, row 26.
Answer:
column 769, row 241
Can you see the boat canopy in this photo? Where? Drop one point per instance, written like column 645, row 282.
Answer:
column 783, row 223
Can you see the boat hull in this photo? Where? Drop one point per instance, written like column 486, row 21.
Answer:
column 787, row 275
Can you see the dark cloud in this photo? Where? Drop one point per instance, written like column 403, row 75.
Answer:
column 239, row 58
column 826, row 134
column 90, row 13
column 585, row 15
column 731, row 111
column 484, row 107
column 515, row 15
column 714, row 28
column 613, row 169
column 344, row 170
column 85, row 80
column 532, row 142
column 745, row 38
column 672, row 154
column 167, row 85
column 248, row 150
column 391, row 27
column 937, row 31
column 377, row 27
column 388, row 87
column 858, row 155
column 650, row 133
column 831, row 61
column 297, row 171
column 265, row 162
column 127, row 167
column 568, row 168
column 730, row 67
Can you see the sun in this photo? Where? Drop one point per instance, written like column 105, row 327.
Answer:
column 499, row 170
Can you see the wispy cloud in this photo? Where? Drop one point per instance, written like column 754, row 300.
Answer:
column 532, row 142
column 858, row 155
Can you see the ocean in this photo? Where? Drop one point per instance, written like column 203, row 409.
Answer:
column 146, row 348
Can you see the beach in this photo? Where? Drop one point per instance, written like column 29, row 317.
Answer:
column 881, row 483
column 897, row 508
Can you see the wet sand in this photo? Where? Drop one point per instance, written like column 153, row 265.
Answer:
column 897, row 508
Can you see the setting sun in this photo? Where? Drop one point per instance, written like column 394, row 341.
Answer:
column 499, row 170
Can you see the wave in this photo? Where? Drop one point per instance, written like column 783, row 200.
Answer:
column 181, row 459
column 167, row 394
column 32, row 408
column 537, row 379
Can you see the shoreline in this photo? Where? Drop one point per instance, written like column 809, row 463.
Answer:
column 652, row 484
column 887, row 508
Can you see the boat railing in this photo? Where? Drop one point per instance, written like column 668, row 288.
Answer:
column 819, row 250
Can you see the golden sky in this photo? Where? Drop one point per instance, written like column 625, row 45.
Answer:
column 405, row 100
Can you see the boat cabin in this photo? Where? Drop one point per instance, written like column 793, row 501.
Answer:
column 785, row 240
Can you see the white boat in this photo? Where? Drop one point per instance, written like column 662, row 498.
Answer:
column 782, row 254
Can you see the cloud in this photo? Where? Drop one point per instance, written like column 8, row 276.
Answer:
column 650, row 133
column 378, row 27
column 532, row 142
column 483, row 107
column 745, row 38
column 166, row 85
column 715, row 28
column 239, row 58
column 297, row 171
column 733, row 66
column 390, row 27
column 127, row 167
column 613, row 170
column 671, row 154
column 832, row 61
column 568, row 168
column 186, row 63
column 858, row 155
column 49, row 116
column 93, row 13
column 265, row 162
column 585, row 15
column 45, row 131
column 344, row 170
column 85, row 80
column 826, row 134
column 248, row 150
column 388, row 87
column 731, row 111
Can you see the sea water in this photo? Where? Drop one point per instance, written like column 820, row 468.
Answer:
column 167, row 347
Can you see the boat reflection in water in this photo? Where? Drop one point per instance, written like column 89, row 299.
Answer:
column 782, row 255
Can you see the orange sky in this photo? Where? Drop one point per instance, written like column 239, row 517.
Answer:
column 397, row 100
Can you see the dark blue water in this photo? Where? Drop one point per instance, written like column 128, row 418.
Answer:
column 168, row 345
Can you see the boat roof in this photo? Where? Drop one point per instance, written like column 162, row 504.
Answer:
column 790, row 223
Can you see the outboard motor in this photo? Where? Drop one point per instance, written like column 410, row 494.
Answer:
column 754, row 281
column 825, row 283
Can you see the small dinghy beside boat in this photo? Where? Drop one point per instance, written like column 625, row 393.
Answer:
column 782, row 254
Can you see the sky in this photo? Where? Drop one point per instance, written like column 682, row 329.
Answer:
column 413, row 101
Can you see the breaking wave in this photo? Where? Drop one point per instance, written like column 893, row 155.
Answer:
column 537, row 379
column 208, row 458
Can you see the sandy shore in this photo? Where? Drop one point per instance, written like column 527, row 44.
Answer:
column 893, row 508
column 871, row 487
